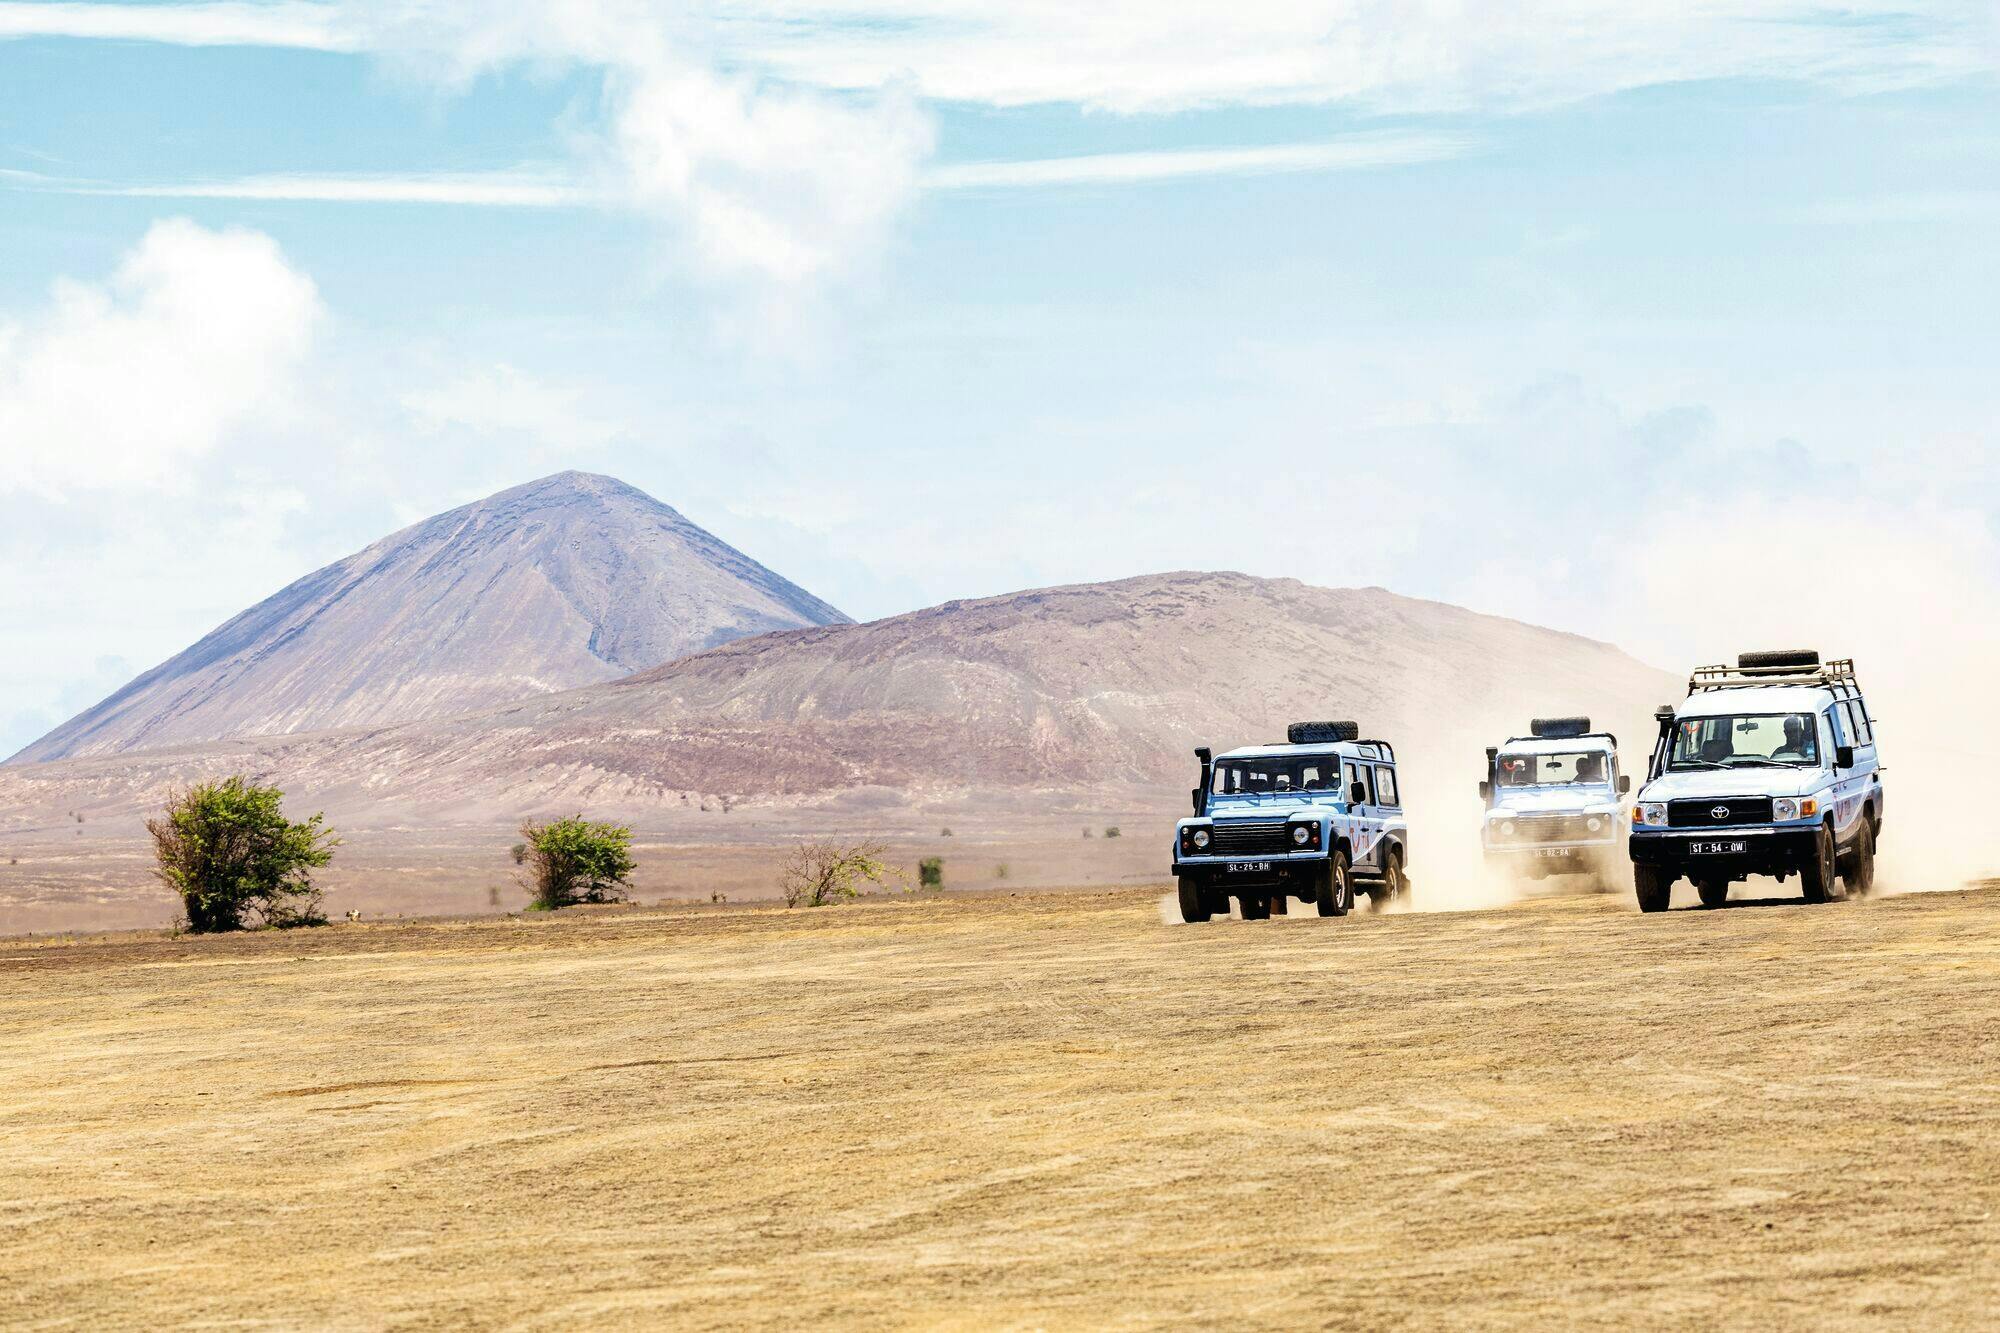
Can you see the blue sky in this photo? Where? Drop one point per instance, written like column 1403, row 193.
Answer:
column 1557, row 314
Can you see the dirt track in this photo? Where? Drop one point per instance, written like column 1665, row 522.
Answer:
column 1038, row 1111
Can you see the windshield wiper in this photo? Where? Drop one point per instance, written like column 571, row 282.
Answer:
column 1685, row 764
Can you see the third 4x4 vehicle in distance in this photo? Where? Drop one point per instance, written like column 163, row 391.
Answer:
column 1766, row 768
column 1313, row 819
column 1554, row 801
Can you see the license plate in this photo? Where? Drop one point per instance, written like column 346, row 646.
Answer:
column 1718, row 848
column 1556, row 853
column 1248, row 867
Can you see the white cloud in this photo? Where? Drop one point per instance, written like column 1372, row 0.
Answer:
column 125, row 382
column 486, row 189
column 1349, row 153
column 780, row 139
column 309, row 26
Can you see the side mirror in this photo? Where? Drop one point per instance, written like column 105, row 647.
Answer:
column 1843, row 756
column 1485, row 791
column 1357, row 793
column 1624, row 784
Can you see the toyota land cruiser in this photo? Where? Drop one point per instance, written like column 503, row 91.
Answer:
column 1766, row 768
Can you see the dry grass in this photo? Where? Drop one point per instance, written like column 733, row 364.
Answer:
column 1047, row 1110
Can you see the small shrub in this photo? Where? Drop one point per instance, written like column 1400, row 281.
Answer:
column 519, row 851
column 930, row 872
column 575, row 860
column 944, row 833
column 1000, row 871
column 1111, row 832
column 233, row 858
column 819, row 873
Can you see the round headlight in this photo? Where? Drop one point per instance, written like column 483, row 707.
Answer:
column 1593, row 823
column 1200, row 838
column 1783, row 809
column 1507, row 829
column 1301, row 835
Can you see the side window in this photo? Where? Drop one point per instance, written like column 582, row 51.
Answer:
column 1385, row 788
column 1864, row 733
column 1356, row 773
column 1833, row 715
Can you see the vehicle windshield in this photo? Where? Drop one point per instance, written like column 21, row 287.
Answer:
column 1552, row 770
column 1281, row 775
column 1760, row 740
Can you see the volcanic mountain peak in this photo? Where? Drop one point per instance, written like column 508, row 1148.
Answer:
column 569, row 580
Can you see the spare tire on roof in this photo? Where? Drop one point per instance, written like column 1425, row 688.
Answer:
column 1559, row 726
column 1784, row 657
column 1322, row 733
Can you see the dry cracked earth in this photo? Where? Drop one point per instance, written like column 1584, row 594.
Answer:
column 1038, row 1111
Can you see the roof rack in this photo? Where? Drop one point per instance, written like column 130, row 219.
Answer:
column 1837, row 676
column 1579, row 736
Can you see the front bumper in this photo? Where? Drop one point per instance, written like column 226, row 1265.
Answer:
column 1766, row 851
column 1295, row 869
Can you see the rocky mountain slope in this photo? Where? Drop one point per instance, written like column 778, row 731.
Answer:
column 563, row 582
column 1056, row 689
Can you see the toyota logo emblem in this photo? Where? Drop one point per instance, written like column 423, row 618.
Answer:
column 1720, row 812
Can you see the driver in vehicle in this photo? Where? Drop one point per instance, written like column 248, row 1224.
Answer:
column 1796, row 746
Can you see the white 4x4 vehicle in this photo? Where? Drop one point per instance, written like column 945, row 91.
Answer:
column 1766, row 768
column 1555, row 802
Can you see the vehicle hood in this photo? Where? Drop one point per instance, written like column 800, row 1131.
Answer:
column 1271, row 808
column 1704, row 783
column 1554, row 800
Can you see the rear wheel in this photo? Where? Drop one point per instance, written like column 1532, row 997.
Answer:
column 1194, row 906
column 1817, row 876
column 1336, row 886
column 1861, row 871
column 1654, row 886
column 1395, row 881
column 1714, row 892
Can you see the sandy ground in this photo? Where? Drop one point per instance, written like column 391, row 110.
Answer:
column 1043, row 1110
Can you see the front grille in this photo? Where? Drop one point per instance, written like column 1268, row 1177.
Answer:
column 1248, row 837
column 1719, row 812
column 1559, row 828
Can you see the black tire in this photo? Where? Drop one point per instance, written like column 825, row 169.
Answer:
column 1322, row 733
column 1254, row 908
column 1395, row 881
column 1861, row 868
column 1335, row 893
column 1654, row 888
column 1558, row 727
column 1818, row 877
column 1194, row 904
column 1714, row 892
column 1783, row 657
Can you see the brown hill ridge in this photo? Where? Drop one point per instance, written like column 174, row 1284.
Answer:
column 563, row 582
column 1062, row 688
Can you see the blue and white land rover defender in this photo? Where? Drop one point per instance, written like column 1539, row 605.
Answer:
column 1555, row 802
column 1314, row 819
column 1766, row 768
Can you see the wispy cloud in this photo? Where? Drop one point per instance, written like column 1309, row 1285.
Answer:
column 1346, row 154
column 284, row 23
column 490, row 190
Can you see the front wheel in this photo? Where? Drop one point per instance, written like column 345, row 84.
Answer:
column 1336, row 886
column 1817, row 876
column 1194, row 907
column 1654, row 886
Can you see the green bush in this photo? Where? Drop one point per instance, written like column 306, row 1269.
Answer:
column 575, row 860
column 930, row 872
column 820, row 873
column 233, row 858
column 1111, row 832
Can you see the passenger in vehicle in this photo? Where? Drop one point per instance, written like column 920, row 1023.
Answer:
column 1589, row 768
